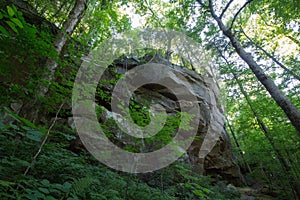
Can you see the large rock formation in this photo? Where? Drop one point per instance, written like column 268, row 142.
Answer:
column 211, row 152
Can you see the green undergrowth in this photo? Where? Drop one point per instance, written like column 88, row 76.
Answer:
column 59, row 173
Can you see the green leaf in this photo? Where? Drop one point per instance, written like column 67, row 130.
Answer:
column 50, row 198
column 198, row 193
column 205, row 190
column 21, row 162
column 70, row 137
column 39, row 195
column 11, row 125
column 1, row 16
column 4, row 31
column 31, row 197
column 45, row 182
column 12, row 26
column 2, row 126
column 10, row 11
column 73, row 198
column 66, row 187
column 14, row 8
column 54, row 191
column 34, row 135
column 6, row 183
column 44, row 190
column 20, row 119
column 17, row 22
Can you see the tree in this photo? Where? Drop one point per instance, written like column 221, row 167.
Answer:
column 283, row 161
column 272, row 57
column 287, row 106
column 31, row 110
column 68, row 28
column 255, row 33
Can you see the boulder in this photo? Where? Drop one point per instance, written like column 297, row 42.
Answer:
column 211, row 151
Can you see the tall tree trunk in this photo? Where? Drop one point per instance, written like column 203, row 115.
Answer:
column 285, row 165
column 30, row 110
column 68, row 28
column 286, row 105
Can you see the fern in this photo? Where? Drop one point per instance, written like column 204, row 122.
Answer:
column 81, row 186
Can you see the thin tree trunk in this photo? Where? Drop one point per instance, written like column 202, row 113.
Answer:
column 286, row 105
column 285, row 165
column 293, row 39
column 67, row 29
column 238, row 146
column 293, row 181
column 31, row 110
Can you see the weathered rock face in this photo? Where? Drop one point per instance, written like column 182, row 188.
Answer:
column 212, row 153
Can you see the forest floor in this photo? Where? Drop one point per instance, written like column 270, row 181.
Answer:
column 59, row 173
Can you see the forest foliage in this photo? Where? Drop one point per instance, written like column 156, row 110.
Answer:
column 265, row 132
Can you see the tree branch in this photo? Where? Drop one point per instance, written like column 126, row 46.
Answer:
column 225, row 9
column 238, row 12
column 210, row 5
column 286, row 105
column 201, row 3
column 293, row 39
column 272, row 57
column 44, row 141
column 153, row 13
